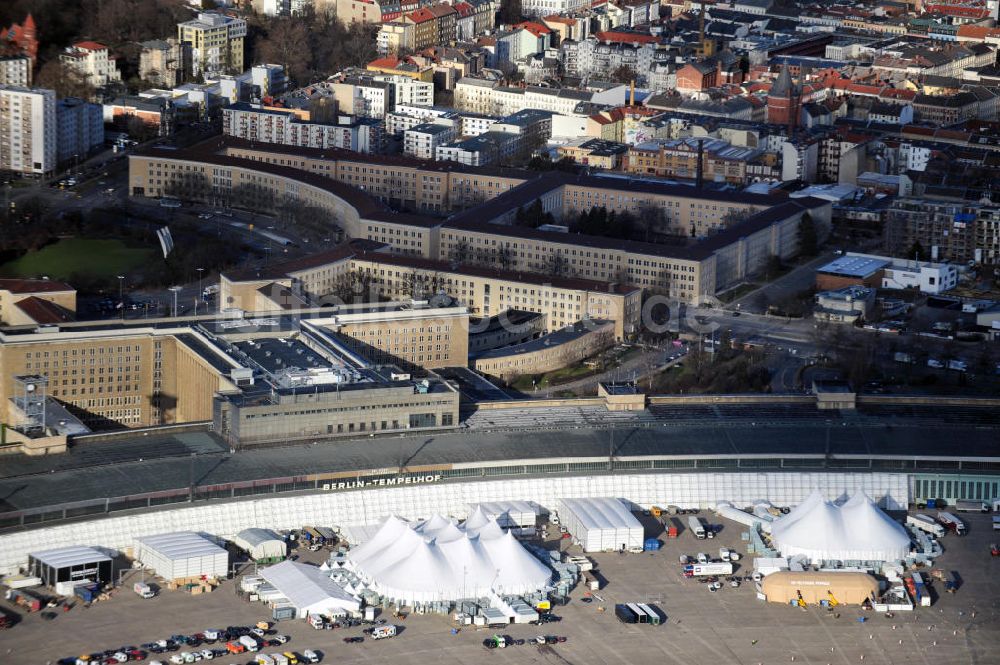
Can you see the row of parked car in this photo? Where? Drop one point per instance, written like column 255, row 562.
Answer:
column 232, row 640
column 504, row 641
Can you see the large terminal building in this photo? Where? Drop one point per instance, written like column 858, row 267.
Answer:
column 284, row 412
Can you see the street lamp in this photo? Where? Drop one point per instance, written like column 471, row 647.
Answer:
column 175, row 289
column 198, row 296
column 121, row 296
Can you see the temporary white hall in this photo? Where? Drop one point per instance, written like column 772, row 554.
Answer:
column 822, row 530
column 601, row 524
column 309, row 589
column 261, row 544
column 509, row 513
column 437, row 560
column 181, row 555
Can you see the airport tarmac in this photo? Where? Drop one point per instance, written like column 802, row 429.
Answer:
column 729, row 626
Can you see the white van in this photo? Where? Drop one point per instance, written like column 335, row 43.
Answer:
column 724, row 553
column 702, row 557
column 382, row 632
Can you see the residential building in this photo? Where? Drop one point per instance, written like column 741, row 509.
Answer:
column 395, row 37
column 945, row 230
column 92, row 62
column 678, row 158
column 21, row 39
column 216, row 41
column 540, row 8
column 164, row 62
column 15, row 70
column 284, row 127
column 158, row 114
column 81, row 129
column 28, row 130
column 595, row 153
column 422, row 141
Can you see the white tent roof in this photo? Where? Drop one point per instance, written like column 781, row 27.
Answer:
column 437, row 560
column 602, row 513
column 308, row 588
column 856, row 530
column 181, row 545
column 75, row 555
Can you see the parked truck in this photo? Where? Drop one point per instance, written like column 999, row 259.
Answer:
column 23, row 598
column 699, row 569
column 901, row 357
column 927, row 524
column 952, row 523
column 972, row 506
column 921, row 597
column 696, row 527
column 249, row 643
column 143, row 590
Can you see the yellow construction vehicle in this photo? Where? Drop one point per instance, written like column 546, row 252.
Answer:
column 801, row 601
column 832, row 600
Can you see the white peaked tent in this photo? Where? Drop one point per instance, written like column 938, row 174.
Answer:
column 438, row 560
column 858, row 530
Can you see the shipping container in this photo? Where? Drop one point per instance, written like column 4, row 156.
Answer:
column 625, row 614
column 927, row 524
column 698, row 569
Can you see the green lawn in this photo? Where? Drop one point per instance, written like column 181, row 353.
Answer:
column 60, row 260
column 553, row 378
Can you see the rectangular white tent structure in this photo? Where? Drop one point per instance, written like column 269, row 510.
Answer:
column 263, row 545
column 601, row 525
column 181, row 555
column 309, row 589
column 510, row 514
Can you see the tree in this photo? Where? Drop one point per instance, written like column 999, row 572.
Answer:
column 773, row 267
column 557, row 264
column 623, row 74
column 287, row 44
column 460, row 252
column 807, row 236
column 65, row 81
column 510, row 11
column 916, row 251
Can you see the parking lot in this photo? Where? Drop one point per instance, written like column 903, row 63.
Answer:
column 730, row 626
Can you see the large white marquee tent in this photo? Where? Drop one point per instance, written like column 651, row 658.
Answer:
column 437, row 560
column 858, row 530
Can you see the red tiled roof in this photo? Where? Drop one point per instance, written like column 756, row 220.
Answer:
column 555, row 18
column 626, row 37
column 421, row 15
column 33, row 286
column 44, row 311
column 91, row 46
column 388, row 62
column 464, row 9
column 537, row 29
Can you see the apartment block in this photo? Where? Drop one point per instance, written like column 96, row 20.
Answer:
column 15, row 70
column 28, row 130
column 217, row 43
column 164, row 62
column 81, row 129
column 269, row 125
column 92, row 62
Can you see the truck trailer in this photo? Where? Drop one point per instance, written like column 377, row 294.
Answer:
column 952, row 523
column 696, row 527
column 964, row 506
column 625, row 614
column 698, row 569
column 926, row 524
